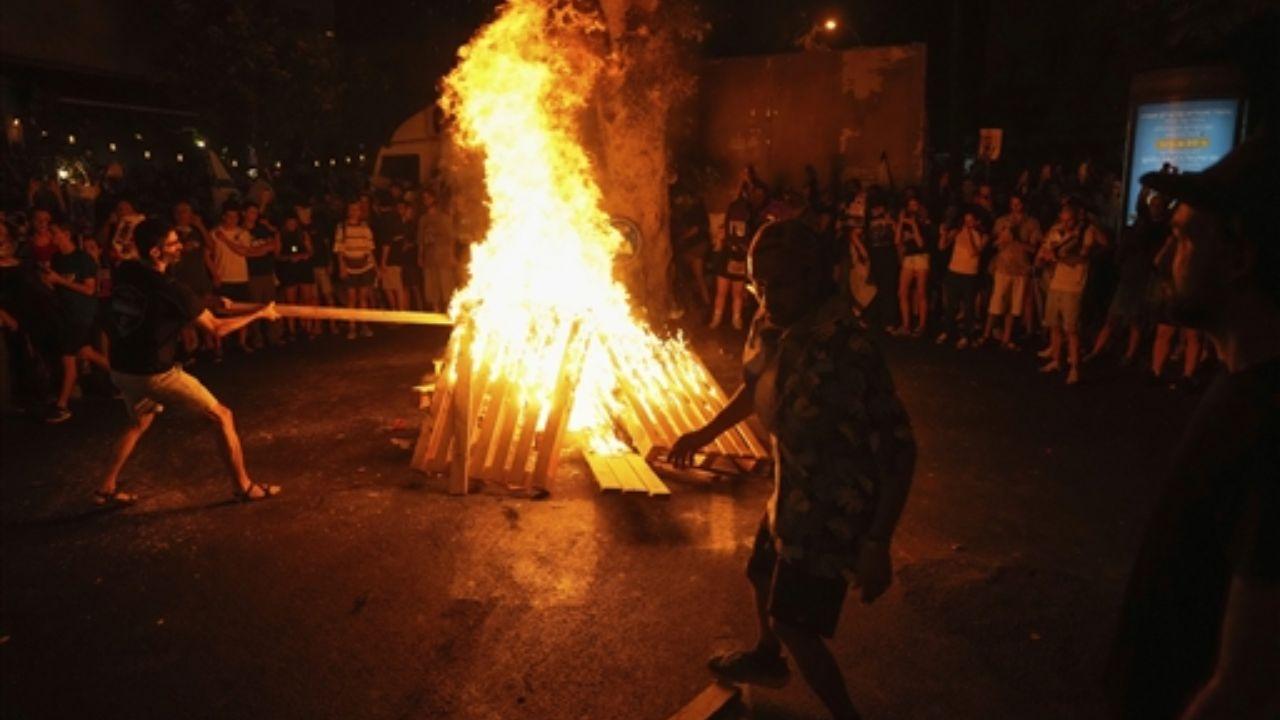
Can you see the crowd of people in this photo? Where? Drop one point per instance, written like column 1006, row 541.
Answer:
column 393, row 247
column 1030, row 263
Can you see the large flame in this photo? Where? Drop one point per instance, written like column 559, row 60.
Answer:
column 546, row 264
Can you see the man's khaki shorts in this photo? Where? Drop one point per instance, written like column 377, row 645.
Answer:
column 147, row 394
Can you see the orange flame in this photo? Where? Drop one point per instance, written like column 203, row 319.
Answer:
column 547, row 260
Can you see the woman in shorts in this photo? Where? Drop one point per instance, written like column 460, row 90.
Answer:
column 913, row 281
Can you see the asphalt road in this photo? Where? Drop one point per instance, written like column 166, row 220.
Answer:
column 366, row 592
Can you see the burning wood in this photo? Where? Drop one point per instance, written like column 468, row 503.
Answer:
column 546, row 345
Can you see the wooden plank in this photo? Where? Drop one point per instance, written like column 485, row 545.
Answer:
column 526, row 433
column 512, row 412
column 575, row 350
column 432, row 436
column 630, row 482
column 696, row 399
column 603, row 472
column 326, row 312
column 652, row 483
column 490, row 404
column 708, row 703
column 460, row 468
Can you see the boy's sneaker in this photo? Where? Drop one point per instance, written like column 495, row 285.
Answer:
column 57, row 415
column 752, row 667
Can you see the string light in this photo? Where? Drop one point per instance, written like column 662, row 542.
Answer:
column 278, row 165
column 348, row 159
column 146, row 154
column 180, row 157
column 200, row 142
column 317, row 163
column 71, row 139
column 333, row 162
column 111, row 146
column 137, row 136
column 361, row 157
column 235, row 163
column 17, row 122
column 63, row 173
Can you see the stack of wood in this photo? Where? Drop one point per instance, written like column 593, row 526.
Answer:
column 472, row 406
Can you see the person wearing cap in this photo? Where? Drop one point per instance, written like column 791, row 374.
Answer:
column 844, row 454
column 147, row 313
column 1199, row 631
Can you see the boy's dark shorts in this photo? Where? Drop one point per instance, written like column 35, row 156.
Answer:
column 236, row 292
column 797, row 597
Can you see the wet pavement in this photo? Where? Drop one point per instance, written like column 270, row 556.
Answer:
column 366, row 592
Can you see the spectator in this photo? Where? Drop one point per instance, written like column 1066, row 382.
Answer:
column 317, row 226
column 40, row 246
column 231, row 246
column 913, row 232
column 1017, row 237
column 74, row 277
column 883, row 250
column 194, row 267
column 353, row 246
column 1136, row 256
column 961, row 285
column 392, row 255
column 739, row 227
column 293, row 269
column 439, row 262
column 691, row 242
column 264, row 245
column 1067, row 247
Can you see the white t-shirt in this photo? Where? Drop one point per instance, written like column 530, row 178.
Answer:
column 1067, row 244
column 354, row 245
column 232, row 267
column 966, row 257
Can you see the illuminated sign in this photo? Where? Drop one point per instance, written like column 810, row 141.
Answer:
column 1184, row 135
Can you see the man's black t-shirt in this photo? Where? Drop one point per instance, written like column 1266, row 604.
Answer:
column 1219, row 517
column 76, row 266
column 148, row 312
column 263, row 265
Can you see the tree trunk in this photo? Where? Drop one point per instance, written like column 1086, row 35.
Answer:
column 632, row 107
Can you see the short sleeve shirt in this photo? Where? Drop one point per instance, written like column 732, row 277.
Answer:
column 1015, row 258
column 838, row 431
column 76, row 266
column 147, row 313
column 354, row 245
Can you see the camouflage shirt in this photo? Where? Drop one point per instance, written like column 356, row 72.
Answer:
column 824, row 392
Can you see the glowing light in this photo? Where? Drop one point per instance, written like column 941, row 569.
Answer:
column 235, row 163
column 830, row 24
column 200, row 142
column 17, row 122
column 111, row 146
column 546, row 262
column 348, row 159
column 333, row 162
column 316, row 163
column 180, row 158
column 137, row 136
column 146, row 154
column 63, row 173
column 361, row 157
column 71, row 139
column 279, row 165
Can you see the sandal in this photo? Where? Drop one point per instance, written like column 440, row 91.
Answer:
column 266, row 492
column 115, row 498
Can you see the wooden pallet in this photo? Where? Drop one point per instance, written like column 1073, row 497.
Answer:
column 509, row 443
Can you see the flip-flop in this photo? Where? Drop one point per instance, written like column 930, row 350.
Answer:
column 268, row 492
column 118, row 498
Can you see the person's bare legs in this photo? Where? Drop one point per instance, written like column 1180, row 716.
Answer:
column 1073, row 356
column 70, row 373
column 1135, row 339
column 1191, row 355
column 1160, row 348
column 124, row 448
column 768, row 642
column 699, row 277
column 819, row 668
column 1100, row 343
column 739, row 297
column 904, row 299
column 922, row 300
column 365, row 300
column 353, row 296
column 229, row 440
column 1054, row 351
column 722, row 295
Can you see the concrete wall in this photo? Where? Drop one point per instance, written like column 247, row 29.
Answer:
column 835, row 110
